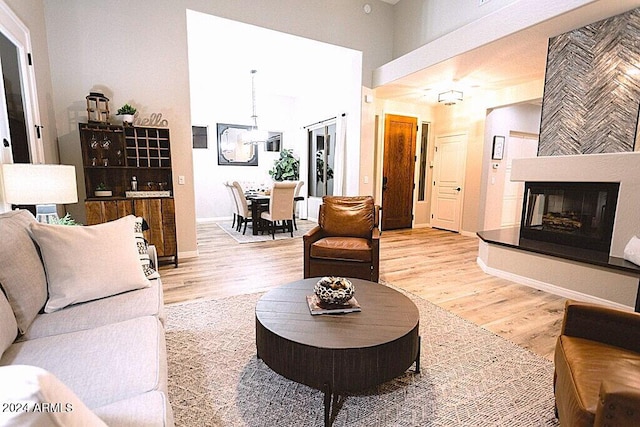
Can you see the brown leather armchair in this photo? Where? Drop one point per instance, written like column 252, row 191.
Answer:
column 597, row 367
column 346, row 241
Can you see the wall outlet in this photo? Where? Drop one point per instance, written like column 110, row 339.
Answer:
column 181, row 179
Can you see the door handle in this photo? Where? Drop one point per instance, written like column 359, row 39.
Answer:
column 384, row 183
column 458, row 189
column 5, row 142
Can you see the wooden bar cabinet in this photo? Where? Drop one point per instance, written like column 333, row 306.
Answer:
column 127, row 170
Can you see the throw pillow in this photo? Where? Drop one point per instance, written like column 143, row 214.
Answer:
column 8, row 324
column 143, row 251
column 87, row 263
column 37, row 398
column 21, row 271
column 347, row 216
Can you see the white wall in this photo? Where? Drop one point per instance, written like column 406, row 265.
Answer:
column 298, row 82
column 523, row 118
column 417, row 22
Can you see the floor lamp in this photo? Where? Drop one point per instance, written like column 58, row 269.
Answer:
column 44, row 186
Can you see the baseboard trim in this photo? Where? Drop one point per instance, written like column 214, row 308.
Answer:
column 548, row 287
column 187, row 254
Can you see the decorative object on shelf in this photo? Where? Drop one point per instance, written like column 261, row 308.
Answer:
column 127, row 112
column 334, row 290
column 103, row 191
column 286, row 168
column 498, row 147
column 450, row 97
column 97, row 107
column 318, row 307
column 154, row 120
column 40, row 185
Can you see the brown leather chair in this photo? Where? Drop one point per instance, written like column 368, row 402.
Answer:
column 597, row 367
column 346, row 241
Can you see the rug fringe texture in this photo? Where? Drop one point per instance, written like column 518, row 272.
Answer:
column 469, row 376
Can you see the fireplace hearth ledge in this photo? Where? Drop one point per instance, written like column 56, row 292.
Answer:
column 566, row 271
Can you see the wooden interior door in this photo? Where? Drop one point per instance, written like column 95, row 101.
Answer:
column 398, row 171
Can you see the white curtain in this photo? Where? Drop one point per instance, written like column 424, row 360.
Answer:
column 340, row 156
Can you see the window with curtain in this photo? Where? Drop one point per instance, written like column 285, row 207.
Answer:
column 322, row 149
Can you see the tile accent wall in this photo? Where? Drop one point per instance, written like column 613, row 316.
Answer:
column 592, row 89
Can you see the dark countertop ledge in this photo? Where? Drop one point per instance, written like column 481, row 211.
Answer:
column 510, row 237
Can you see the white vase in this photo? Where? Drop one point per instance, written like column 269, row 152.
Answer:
column 127, row 118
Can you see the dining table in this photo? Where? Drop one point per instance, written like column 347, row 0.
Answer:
column 258, row 201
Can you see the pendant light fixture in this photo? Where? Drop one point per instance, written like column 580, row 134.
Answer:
column 254, row 136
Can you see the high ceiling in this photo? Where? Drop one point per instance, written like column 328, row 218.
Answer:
column 513, row 60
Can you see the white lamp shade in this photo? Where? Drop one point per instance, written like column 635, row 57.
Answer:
column 29, row 184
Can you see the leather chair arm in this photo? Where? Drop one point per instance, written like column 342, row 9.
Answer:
column 619, row 400
column 313, row 235
column 602, row 324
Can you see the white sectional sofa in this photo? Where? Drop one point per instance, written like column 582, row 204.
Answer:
column 81, row 326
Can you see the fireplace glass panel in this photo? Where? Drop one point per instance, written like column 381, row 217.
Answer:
column 573, row 214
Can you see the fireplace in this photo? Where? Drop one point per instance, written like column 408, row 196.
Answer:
column 578, row 214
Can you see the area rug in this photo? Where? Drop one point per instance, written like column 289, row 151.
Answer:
column 248, row 237
column 469, row 376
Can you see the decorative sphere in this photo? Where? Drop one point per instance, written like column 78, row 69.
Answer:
column 334, row 290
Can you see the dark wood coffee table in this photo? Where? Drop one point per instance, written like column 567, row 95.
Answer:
column 338, row 353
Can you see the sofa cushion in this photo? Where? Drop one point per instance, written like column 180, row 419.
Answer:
column 21, row 272
column 38, row 398
column 8, row 324
column 150, row 409
column 143, row 251
column 342, row 248
column 101, row 365
column 347, row 216
column 87, row 263
column 88, row 315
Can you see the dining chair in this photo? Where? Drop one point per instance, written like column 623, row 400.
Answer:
column 295, row 202
column 280, row 206
column 244, row 213
column 234, row 202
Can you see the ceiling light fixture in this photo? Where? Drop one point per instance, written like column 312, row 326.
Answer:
column 450, row 97
column 254, row 136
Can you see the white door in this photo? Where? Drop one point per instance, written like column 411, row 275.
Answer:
column 517, row 147
column 6, row 155
column 17, row 59
column 448, row 181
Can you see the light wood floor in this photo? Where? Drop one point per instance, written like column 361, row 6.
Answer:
column 437, row 265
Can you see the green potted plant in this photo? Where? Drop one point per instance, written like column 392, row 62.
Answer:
column 66, row 220
column 286, row 168
column 103, row 191
column 127, row 112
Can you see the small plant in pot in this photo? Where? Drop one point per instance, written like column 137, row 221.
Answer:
column 103, row 191
column 286, row 168
column 127, row 112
